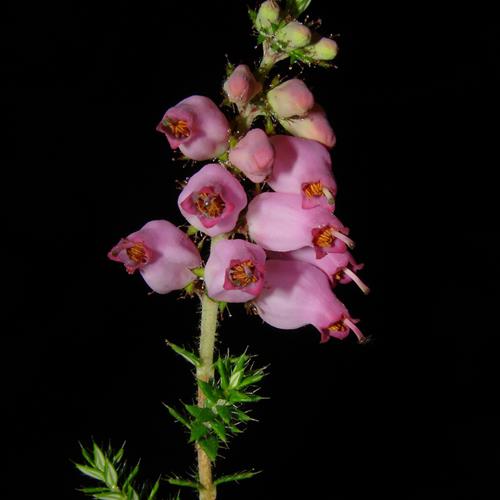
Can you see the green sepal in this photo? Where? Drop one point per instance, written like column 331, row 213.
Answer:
column 154, row 490
column 198, row 430
column 201, row 414
column 191, row 230
column 118, row 455
column 198, row 271
column 131, row 475
column 210, row 446
column 187, row 355
column 222, row 306
column 252, row 14
column 177, row 481
column 236, row 477
column 251, row 379
column 177, row 416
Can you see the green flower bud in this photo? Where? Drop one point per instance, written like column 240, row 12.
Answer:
column 325, row 49
column 269, row 13
column 295, row 35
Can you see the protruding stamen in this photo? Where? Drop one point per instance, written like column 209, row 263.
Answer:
column 356, row 279
column 329, row 196
column 349, row 323
column 243, row 274
column 342, row 237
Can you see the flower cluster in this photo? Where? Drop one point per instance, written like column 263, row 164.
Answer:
column 267, row 199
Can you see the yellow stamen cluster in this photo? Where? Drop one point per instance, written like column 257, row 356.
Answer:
column 179, row 128
column 337, row 327
column 243, row 274
column 324, row 238
column 210, row 205
column 137, row 253
column 313, row 189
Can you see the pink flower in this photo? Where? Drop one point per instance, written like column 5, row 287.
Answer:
column 254, row 155
column 314, row 125
column 197, row 127
column 241, row 87
column 296, row 294
column 162, row 253
column 340, row 267
column 303, row 166
column 291, row 98
column 277, row 221
column 212, row 200
column 235, row 271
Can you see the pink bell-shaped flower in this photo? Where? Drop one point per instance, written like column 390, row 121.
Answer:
column 235, row 271
column 303, row 166
column 314, row 125
column 340, row 267
column 254, row 155
column 277, row 221
column 242, row 86
column 162, row 253
column 212, row 200
column 290, row 98
column 296, row 294
column 197, row 127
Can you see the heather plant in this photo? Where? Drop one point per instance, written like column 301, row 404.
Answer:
column 262, row 232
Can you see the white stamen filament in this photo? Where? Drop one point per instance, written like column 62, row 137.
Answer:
column 364, row 288
column 342, row 237
column 329, row 196
column 355, row 330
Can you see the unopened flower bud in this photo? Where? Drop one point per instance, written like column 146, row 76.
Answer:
column 268, row 14
column 291, row 98
column 325, row 49
column 295, row 35
column 314, row 125
column 242, row 86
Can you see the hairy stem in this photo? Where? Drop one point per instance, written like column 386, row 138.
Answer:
column 208, row 329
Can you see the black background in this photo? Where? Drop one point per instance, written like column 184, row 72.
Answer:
column 414, row 105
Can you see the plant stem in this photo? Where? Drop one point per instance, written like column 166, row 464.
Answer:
column 208, row 329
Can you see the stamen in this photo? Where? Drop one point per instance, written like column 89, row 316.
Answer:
column 210, row 204
column 361, row 338
column 243, row 274
column 342, row 237
column 339, row 326
column 313, row 189
column 178, row 128
column 324, row 237
column 329, row 196
column 356, row 279
column 137, row 253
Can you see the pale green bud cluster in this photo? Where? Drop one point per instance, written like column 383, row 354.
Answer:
column 267, row 15
column 325, row 49
column 294, row 35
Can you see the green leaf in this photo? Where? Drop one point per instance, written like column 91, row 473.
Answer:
column 177, row 481
column 154, row 490
column 86, row 455
column 110, row 475
column 90, row 471
column 261, row 38
column 234, row 381
column 241, row 397
column 91, row 491
column 222, row 370
column 198, row 430
column 244, row 417
column 201, row 414
column 252, row 14
column 210, row 446
column 297, row 7
column 219, row 429
column 131, row 476
column 118, row 455
column 110, row 496
column 236, row 477
column 211, row 392
column 224, row 412
column 99, row 459
column 187, row 355
column 251, row 379
column 177, row 416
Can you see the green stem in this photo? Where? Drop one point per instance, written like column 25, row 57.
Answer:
column 208, row 329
